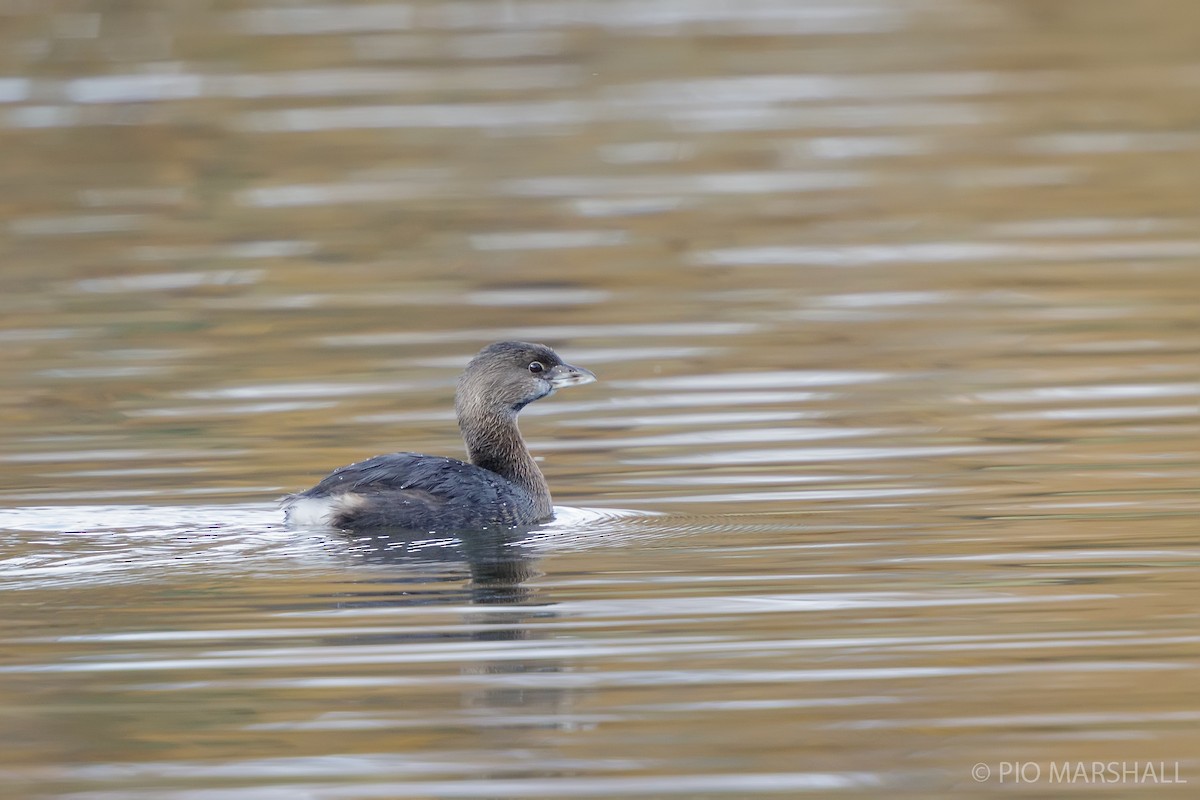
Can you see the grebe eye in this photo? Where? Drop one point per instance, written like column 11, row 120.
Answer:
column 535, row 367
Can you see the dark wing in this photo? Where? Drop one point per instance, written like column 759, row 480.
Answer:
column 420, row 492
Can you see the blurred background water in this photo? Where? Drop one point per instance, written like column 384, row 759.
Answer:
column 891, row 470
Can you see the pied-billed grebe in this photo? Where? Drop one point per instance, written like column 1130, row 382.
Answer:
column 501, row 486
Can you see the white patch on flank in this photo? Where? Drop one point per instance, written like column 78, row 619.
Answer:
column 309, row 512
column 318, row 512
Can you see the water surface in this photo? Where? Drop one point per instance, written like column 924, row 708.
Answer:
column 891, row 471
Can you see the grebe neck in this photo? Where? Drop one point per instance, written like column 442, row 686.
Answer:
column 494, row 442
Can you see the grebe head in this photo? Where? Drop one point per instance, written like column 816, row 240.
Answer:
column 507, row 376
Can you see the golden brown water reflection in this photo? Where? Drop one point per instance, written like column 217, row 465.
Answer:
column 891, row 473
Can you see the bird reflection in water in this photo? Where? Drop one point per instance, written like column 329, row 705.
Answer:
column 489, row 570
column 498, row 561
